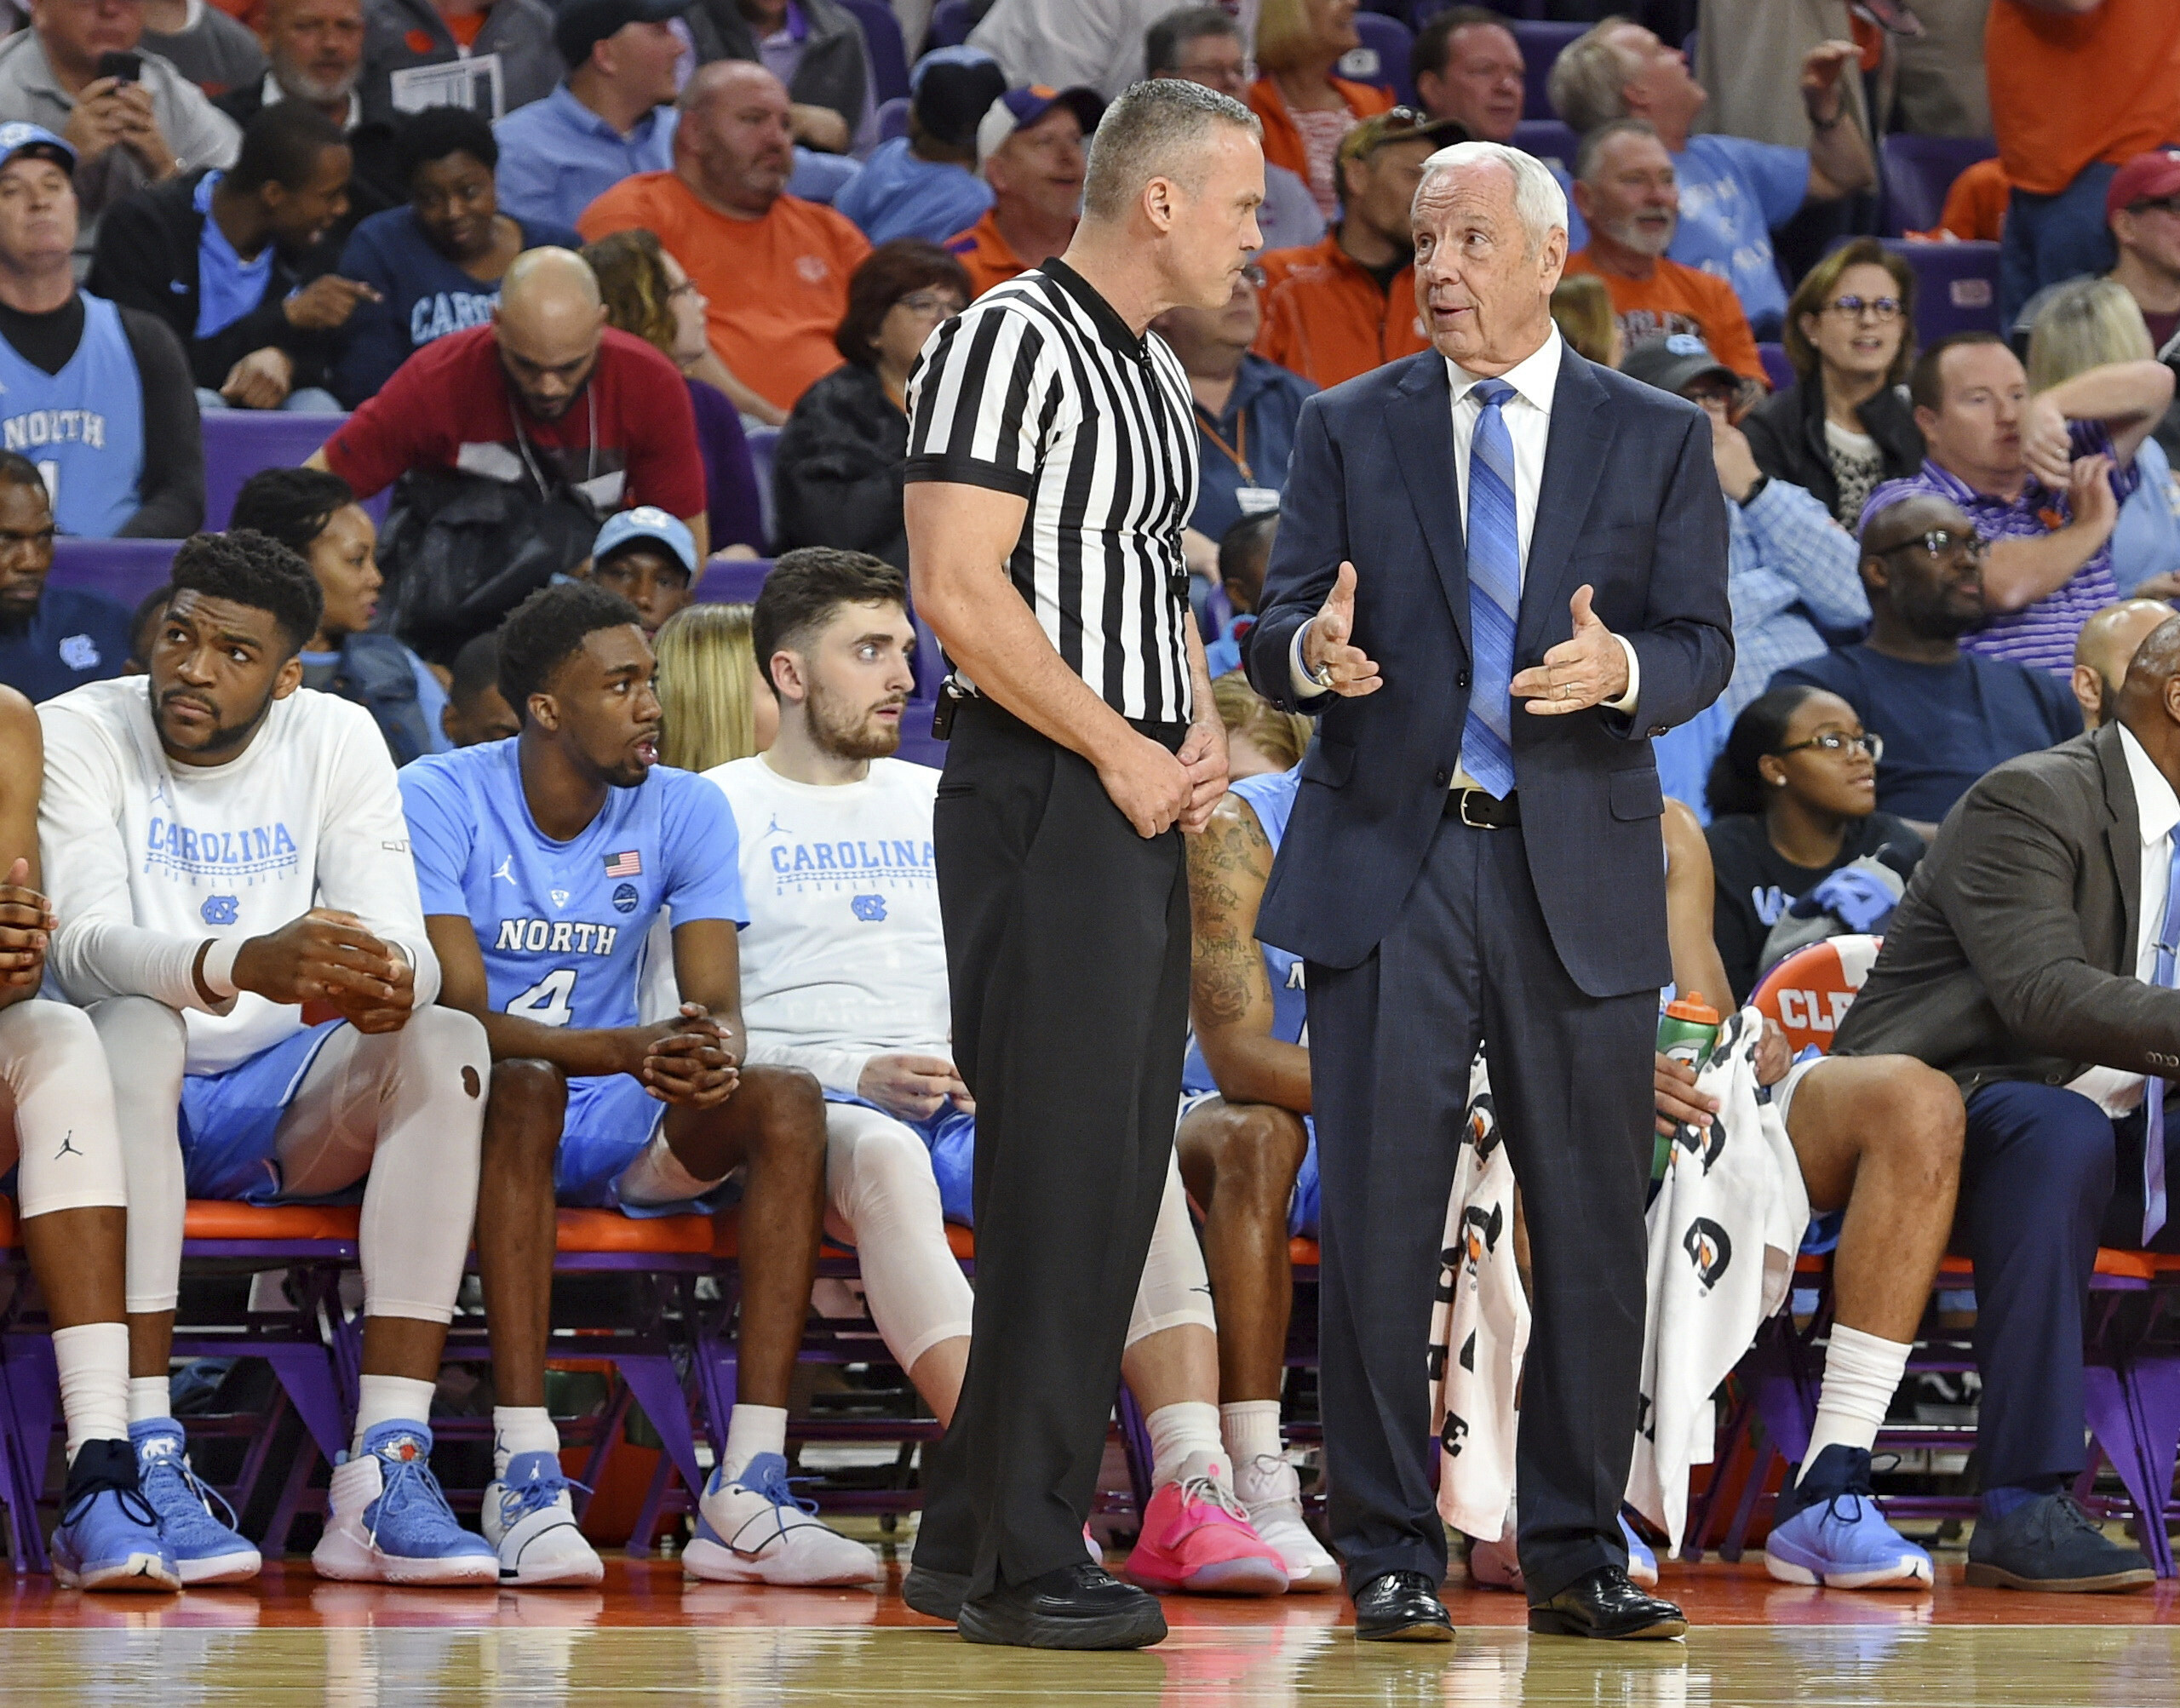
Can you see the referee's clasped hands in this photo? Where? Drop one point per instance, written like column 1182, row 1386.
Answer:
column 1158, row 790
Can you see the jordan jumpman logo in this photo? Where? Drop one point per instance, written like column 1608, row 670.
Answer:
column 67, row 1146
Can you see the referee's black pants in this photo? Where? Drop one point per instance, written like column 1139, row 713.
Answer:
column 1067, row 947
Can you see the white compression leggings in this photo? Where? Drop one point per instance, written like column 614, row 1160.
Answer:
column 406, row 1108
column 882, row 1198
column 62, row 1130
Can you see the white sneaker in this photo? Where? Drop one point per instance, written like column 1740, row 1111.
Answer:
column 752, row 1530
column 386, row 1520
column 1271, row 1493
column 529, row 1517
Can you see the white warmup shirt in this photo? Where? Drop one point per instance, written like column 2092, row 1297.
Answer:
column 843, row 958
column 146, row 859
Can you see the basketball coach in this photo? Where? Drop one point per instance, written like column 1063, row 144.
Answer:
column 1499, row 571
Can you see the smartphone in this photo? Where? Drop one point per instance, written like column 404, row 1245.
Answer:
column 129, row 68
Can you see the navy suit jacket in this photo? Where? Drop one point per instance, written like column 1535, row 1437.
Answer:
column 1629, row 503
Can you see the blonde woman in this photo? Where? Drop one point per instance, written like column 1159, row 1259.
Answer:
column 1581, row 307
column 716, row 704
column 1259, row 736
column 1305, row 110
column 2090, row 322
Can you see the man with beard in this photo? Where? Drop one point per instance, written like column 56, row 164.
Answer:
column 543, row 861
column 51, row 640
column 1624, row 189
column 1946, row 715
column 222, row 850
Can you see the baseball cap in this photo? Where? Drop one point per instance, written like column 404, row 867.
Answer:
column 950, row 91
column 1675, row 364
column 2148, row 177
column 579, row 25
column 1019, row 108
column 647, row 524
column 1400, row 124
column 19, row 138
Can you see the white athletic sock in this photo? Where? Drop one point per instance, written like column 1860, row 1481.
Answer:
column 1250, row 1428
column 94, row 1361
column 1861, row 1373
column 388, row 1400
column 1186, row 1427
column 751, row 1431
column 518, row 1429
column 149, row 1399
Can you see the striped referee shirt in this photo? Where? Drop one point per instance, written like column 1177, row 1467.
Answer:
column 1040, row 389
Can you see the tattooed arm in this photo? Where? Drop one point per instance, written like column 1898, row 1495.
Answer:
column 1230, row 996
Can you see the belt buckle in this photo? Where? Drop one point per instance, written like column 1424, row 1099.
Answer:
column 1468, row 795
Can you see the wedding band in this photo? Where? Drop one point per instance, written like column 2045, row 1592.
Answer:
column 1323, row 677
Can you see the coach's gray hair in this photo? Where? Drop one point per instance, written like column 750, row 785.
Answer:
column 1539, row 202
column 1585, row 156
column 1156, row 129
column 1588, row 83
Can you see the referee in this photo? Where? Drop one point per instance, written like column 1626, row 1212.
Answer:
column 1052, row 464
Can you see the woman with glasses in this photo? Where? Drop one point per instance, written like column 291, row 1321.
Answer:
column 1304, row 109
column 1844, row 426
column 1792, row 798
column 837, row 477
column 648, row 295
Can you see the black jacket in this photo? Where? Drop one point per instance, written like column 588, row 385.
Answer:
column 1786, row 433
column 145, row 258
column 373, row 182
column 837, row 474
column 832, row 72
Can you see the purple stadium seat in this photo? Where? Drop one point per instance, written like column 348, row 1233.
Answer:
column 1776, row 368
column 889, row 55
column 238, row 442
column 1540, row 45
column 1919, row 171
column 733, row 581
column 1956, row 287
column 1549, row 141
column 124, row 569
column 950, row 23
column 764, row 446
column 893, row 118
column 1424, row 10
column 1383, row 57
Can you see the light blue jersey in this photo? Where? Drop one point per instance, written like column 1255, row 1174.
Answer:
column 563, row 924
column 1271, row 796
column 83, row 426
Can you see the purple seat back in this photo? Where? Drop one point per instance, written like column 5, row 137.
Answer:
column 1383, row 57
column 764, row 447
column 1956, row 287
column 950, row 23
column 1919, row 172
column 733, row 581
column 122, row 569
column 1549, row 141
column 238, row 442
column 893, row 118
column 1540, row 44
column 1776, row 368
column 889, row 55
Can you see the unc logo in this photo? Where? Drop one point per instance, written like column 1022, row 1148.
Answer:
column 79, row 652
column 624, row 898
column 218, row 910
column 868, row 908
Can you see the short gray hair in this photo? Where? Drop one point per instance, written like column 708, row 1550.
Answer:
column 1539, row 202
column 1155, row 129
column 1585, row 156
column 1588, row 84
column 1163, row 41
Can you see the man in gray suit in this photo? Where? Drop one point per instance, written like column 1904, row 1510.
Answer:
column 2032, row 959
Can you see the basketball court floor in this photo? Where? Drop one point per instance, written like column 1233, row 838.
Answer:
column 648, row 1635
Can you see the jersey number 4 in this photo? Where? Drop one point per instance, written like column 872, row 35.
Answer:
column 550, row 1001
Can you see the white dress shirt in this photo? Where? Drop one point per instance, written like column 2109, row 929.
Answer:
column 2157, row 809
column 1527, row 416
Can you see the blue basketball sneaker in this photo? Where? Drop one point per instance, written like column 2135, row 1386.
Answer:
column 529, row 1516
column 388, row 1521
column 751, row 1529
column 1829, row 1531
column 206, row 1550
column 109, row 1536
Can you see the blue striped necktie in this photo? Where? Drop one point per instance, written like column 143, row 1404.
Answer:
column 1495, row 595
column 2154, row 1133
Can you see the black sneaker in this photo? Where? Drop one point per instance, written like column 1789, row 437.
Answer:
column 1077, row 1607
column 935, row 1593
column 2050, row 1543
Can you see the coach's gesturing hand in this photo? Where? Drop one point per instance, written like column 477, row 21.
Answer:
column 1587, row 669
column 1333, row 663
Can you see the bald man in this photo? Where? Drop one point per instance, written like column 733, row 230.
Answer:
column 2028, row 960
column 775, row 267
column 2105, row 647
column 546, row 401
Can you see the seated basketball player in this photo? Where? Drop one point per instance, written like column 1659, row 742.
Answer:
column 223, row 850
column 61, row 1158
column 1879, row 1136
column 543, row 861
column 844, row 973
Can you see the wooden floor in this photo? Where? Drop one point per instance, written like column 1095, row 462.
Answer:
column 650, row 1636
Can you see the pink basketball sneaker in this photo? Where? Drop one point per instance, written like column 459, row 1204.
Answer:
column 1197, row 1537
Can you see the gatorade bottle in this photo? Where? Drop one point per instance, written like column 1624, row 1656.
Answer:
column 1688, row 1031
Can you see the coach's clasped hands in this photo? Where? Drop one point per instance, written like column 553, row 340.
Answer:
column 1585, row 670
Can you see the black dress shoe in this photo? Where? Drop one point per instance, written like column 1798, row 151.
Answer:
column 1401, row 1606
column 935, row 1593
column 1606, row 1604
column 1077, row 1607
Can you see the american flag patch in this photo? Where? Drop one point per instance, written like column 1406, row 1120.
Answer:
column 628, row 865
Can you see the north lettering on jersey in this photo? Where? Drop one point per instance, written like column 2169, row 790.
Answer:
column 34, row 429
column 556, row 937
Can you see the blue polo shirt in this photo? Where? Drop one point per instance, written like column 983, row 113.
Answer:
column 77, row 636
column 557, row 157
column 1249, row 444
column 227, row 286
column 896, row 195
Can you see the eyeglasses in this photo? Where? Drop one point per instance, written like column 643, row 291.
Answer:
column 1941, row 542
column 1833, row 742
column 933, row 304
column 1883, row 310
